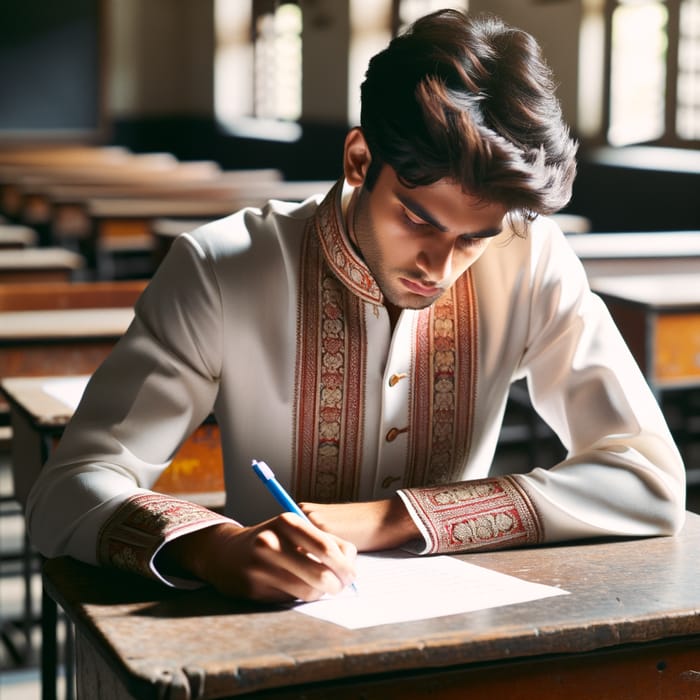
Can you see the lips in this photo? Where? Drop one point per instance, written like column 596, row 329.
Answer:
column 420, row 289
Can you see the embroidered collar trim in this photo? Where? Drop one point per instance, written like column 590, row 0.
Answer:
column 346, row 264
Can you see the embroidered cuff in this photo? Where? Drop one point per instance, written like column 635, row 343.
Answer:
column 473, row 515
column 130, row 539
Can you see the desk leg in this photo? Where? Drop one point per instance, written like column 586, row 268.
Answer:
column 95, row 678
column 69, row 659
column 27, row 565
column 49, row 646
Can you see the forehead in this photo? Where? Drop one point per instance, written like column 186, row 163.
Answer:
column 446, row 202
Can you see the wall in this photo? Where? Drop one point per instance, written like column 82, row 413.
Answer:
column 554, row 23
column 161, row 98
column 161, row 53
column 160, row 57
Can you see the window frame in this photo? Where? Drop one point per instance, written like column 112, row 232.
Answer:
column 669, row 137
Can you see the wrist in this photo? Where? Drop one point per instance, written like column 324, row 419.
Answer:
column 187, row 556
column 400, row 521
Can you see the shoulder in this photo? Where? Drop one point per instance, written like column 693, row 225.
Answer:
column 249, row 229
column 527, row 251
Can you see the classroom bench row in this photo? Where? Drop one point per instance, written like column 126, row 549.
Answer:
column 118, row 210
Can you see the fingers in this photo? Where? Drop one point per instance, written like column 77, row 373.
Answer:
column 322, row 561
column 285, row 558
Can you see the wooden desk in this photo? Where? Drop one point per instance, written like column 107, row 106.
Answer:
column 19, row 183
column 622, row 254
column 58, row 341
column 70, row 295
column 39, row 265
column 43, row 153
column 119, row 225
column 119, row 164
column 39, row 417
column 630, row 628
column 55, row 205
column 14, row 236
column 659, row 317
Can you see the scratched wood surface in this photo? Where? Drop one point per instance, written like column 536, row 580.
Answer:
column 629, row 629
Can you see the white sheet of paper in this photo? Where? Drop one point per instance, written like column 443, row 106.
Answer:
column 68, row 390
column 396, row 587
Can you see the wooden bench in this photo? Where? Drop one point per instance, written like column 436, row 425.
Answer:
column 13, row 236
column 40, row 153
column 74, row 295
column 119, row 225
column 61, row 327
column 15, row 179
column 622, row 254
column 63, row 206
column 32, row 265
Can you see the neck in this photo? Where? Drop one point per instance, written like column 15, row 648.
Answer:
column 394, row 313
column 350, row 221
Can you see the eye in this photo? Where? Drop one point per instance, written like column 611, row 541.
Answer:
column 412, row 220
column 470, row 242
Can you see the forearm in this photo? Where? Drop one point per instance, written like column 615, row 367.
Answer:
column 597, row 494
column 370, row 526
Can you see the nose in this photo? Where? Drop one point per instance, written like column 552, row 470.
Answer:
column 435, row 260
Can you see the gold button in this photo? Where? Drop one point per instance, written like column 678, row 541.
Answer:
column 389, row 480
column 393, row 433
column 396, row 378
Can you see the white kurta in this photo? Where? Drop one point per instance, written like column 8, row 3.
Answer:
column 269, row 319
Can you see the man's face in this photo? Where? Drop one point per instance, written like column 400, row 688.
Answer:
column 418, row 241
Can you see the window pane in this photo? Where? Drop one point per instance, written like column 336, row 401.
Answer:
column 591, row 69
column 233, row 63
column 278, row 63
column 688, row 109
column 638, row 72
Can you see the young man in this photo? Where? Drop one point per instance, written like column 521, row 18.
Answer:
column 363, row 345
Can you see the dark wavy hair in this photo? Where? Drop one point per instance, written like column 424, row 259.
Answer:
column 470, row 100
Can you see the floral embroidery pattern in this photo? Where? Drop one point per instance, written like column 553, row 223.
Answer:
column 130, row 538
column 445, row 373
column 484, row 514
column 346, row 265
column 330, row 382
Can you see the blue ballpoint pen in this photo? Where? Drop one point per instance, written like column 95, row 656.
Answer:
column 267, row 476
column 276, row 489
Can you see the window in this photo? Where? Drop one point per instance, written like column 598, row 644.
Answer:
column 646, row 88
column 277, row 88
column 258, row 62
column 258, row 66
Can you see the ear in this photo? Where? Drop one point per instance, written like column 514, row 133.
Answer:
column 356, row 157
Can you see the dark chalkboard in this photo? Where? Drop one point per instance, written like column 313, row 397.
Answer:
column 50, row 68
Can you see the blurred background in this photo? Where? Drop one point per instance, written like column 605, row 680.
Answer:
column 265, row 83
column 272, row 87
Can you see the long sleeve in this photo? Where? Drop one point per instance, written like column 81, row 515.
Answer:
column 92, row 500
column 622, row 476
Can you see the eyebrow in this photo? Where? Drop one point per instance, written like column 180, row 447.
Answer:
column 422, row 213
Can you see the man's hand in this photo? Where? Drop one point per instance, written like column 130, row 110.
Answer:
column 370, row 526
column 281, row 559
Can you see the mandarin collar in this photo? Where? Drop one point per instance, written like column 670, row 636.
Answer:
column 339, row 252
